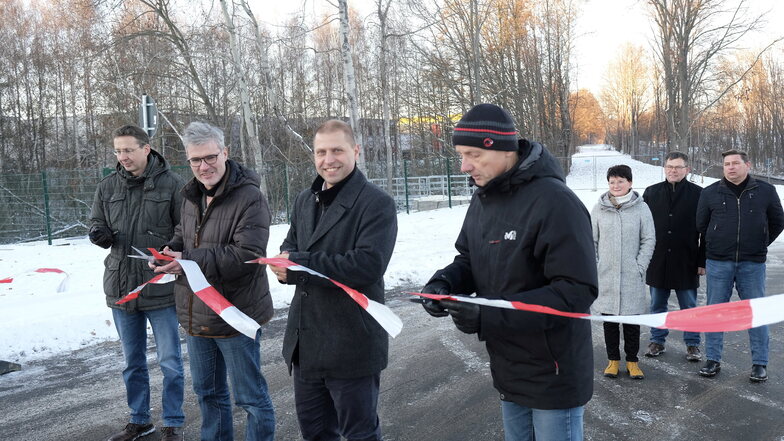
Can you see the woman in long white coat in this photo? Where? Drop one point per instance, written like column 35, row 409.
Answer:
column 624, row 237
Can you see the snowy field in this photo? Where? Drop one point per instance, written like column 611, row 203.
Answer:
column 37, row 321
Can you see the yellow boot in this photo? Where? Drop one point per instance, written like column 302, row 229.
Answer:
column 612, row 369
column 634, row 370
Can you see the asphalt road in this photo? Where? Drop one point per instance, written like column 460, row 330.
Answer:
column 437, row 388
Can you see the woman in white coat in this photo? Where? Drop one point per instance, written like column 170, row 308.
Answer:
column 624, row 237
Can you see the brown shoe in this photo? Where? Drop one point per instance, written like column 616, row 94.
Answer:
column 171, row 434
column 654, row 350
column 133, row 431
column 693, row 353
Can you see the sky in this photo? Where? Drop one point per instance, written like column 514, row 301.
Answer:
column 37, row 321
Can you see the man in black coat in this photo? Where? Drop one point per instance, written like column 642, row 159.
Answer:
column 738, row 216
column 345, row 228
column 526, row 237
column 679, row 257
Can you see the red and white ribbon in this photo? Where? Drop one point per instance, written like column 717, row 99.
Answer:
column 380, row 312
column 208, row 294
column 60, row 288
column 721, row 317
column 160, row 279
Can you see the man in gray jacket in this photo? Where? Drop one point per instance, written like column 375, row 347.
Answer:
column 345, row 228
column 139, row 205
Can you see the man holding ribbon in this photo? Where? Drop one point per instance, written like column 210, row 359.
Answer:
column 526, row 237
column 345, row 228
column 225, row 222
column 139, row 205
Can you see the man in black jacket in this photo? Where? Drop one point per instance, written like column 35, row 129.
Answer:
column 345, row 228
column 738, row 216
column 225, row 222
column 526, row 237
column 679, row 257
column 139, row 205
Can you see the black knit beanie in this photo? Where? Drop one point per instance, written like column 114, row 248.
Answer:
column 486, row 126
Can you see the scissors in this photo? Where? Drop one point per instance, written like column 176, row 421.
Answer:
column 140, row 255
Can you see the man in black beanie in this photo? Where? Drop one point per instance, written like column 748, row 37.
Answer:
column 526, row 237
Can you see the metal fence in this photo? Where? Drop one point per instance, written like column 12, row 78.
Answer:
column 57, row 203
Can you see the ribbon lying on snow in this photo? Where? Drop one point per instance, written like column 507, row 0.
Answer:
column 721, row 317
column 380, row 312
column 203, row 290
column 60, row 288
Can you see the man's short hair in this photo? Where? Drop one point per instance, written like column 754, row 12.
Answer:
column 336, row 125
column 133, row 131
column 620, row 171
column 677, row 155
column 743, row 155
column 198, row 133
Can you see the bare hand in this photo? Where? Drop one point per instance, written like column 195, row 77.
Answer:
column 279, row 271
column 700, row 271
column 170, row 267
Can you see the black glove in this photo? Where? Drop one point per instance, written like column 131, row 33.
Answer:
column 465, row 315
column 101, row 236
column 433, row 307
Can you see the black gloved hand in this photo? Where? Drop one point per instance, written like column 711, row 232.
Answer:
column 433, row 307
column 101, row 236
column 465, row 315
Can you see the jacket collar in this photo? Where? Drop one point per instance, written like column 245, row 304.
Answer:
column 342, row 204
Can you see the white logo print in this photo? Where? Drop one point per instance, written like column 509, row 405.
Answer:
column 511, row 235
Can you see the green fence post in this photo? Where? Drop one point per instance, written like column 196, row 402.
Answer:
column 46, row 208
column 405, row 181
column 448, row 181
column 286, row 177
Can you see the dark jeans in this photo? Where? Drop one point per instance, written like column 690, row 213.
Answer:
column 329, row 407
column 631, row 341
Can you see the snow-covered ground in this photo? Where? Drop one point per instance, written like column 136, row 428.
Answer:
column 36, row 321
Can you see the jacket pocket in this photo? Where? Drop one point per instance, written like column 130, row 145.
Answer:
column 157, row 209
column 111, row 276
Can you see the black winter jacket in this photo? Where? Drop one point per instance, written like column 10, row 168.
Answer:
column 527, row 237
column 233, row 229
column 141, row 211
column 352, row 243
column 739, row 229
column 679, row 251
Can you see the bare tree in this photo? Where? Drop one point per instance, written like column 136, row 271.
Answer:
column 350, row 81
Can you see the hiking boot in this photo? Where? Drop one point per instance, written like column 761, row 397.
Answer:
column 759, row 373
column 611, row 370
column 633, row 368
column 133, row 431
column 710, row 369
column 693, row 353
column 171, row 434
column 654, row 350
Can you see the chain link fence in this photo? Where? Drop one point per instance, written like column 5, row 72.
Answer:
column 57, row 203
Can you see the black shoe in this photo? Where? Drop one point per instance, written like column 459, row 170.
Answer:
column 171, row 434
column 759, row 373
column 710, row 369
column 133, row 431
column 654, row 350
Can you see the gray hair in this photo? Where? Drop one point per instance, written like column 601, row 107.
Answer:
column 198, row 133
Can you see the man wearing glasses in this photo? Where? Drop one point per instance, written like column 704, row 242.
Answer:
column 679, row 256
column 139, row 205
column 225, row 222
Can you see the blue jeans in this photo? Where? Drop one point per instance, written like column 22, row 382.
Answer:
column 212, row 360
column 749, row 279
column 687, row 298
column 132, row 328
column 526, row 424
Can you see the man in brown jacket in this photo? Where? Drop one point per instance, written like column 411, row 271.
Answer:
column 224, row 222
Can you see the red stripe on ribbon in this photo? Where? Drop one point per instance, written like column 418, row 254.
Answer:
column 49, row 270
column 463, row 129
column 135, row 293
column 213, row 299
column 7, row 280
column 159, row 256
column 723, row 317
column 356, row 295
column 547, row 310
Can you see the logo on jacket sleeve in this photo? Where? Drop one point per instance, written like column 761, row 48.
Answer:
column 510, row 235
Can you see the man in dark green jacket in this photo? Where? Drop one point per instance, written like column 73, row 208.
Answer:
column 345, row 228
column 139, row 205
column 225, row 222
